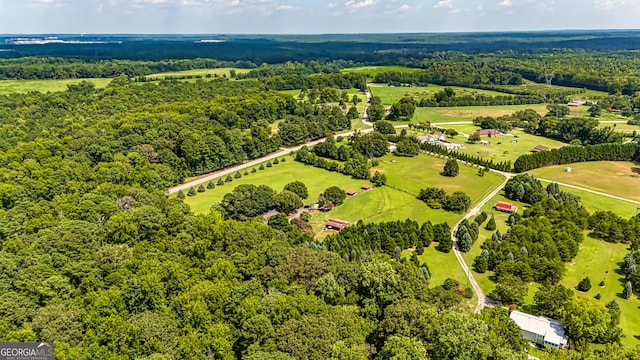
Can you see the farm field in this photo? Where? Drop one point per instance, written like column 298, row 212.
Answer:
column 196, row 72
column 599, row 260
column 372, row 71
column 468, row 113
column 502, row 148
column 23, row 86
column 392, row 94
column 277, row 177
column 611, row 177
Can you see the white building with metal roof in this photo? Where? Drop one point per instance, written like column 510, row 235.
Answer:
column 541, row 330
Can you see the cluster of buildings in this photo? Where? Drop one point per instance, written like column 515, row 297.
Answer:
column 438, row 138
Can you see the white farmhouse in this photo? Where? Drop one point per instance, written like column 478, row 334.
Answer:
column 540, row 330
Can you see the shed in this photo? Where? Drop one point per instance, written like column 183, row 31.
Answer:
column 351, row 192
column 336, row 224
column 365, row 187
column 505, row 207
column 540, row 148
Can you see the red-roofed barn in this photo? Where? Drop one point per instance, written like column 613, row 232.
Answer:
column 505, row 207
column 335, row 224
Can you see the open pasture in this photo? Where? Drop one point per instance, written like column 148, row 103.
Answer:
column 392, row 94
column 617, row 178
column 502, row 148
column 52, row 85
column 196, row 73
column 372, row 71
column 412, row 174
column 599, row 260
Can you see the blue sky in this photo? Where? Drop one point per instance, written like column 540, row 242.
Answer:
column 312, row 16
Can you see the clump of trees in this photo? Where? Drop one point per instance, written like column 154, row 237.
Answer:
column 437, row 198
column 451, row 168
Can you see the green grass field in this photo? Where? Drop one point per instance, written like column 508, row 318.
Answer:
column 599, row 261
column 611, row 177
column 622, row 126
column 392, row 94
column 23, row 86
column 277, row 177
column 468, row 113
column 197, row 72
column 544, row 88
column 596, row 259
column 412, row 174
column 372, row 71
column 502, row 148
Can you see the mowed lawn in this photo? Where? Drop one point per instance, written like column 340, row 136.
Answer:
column 599, row 260
column 23, row 86
column 382, row 204
column 612, row 177
column 372, row 71
column 412, row 174
column 392, row 94
column 594, row 202
column 502, row 148
column 277, row 177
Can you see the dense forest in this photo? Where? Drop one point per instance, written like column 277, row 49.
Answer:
column 97, row 258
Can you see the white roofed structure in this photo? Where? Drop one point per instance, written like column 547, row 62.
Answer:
column 541, row 330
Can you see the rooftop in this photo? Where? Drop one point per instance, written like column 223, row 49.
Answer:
column 552, row 330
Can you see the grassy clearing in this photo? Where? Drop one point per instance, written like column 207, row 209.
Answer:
column 412, row 174
column 594, row 202
column 392, row 94
column 502, row 148
column 596, row 259
column 383, row 204
column 277, row 177
column 468, row 113
column 599, row 261
column 23, row 86
column 611, row 177
column 372, row 71
column 197, row 73
column 621, row 127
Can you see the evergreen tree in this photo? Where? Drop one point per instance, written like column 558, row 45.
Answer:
column 269, row 164
column 628, row 290
column 246, row 172
column 261, row 167
column 491, row 225
column 201, row 188
column 584, row 285
column 180, row 195
column 253, row 170
column 220, row 182
column 276, row 161
column 237, row 175
column 228, row 178
column 191, row 192
column 210, row 184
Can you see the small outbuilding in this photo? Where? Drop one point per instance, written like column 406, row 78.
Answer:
column 335, row 224
column 505, row 207
column 568, row 169
column 351, row 192
column 365, row 187
column 540, row 148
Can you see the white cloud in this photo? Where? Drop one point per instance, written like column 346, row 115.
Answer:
column 332, row 5
column 506, row 3
column 353, row 4
column 404, row 7
column 444, row 4
column 607, row 4
column 286, row 8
